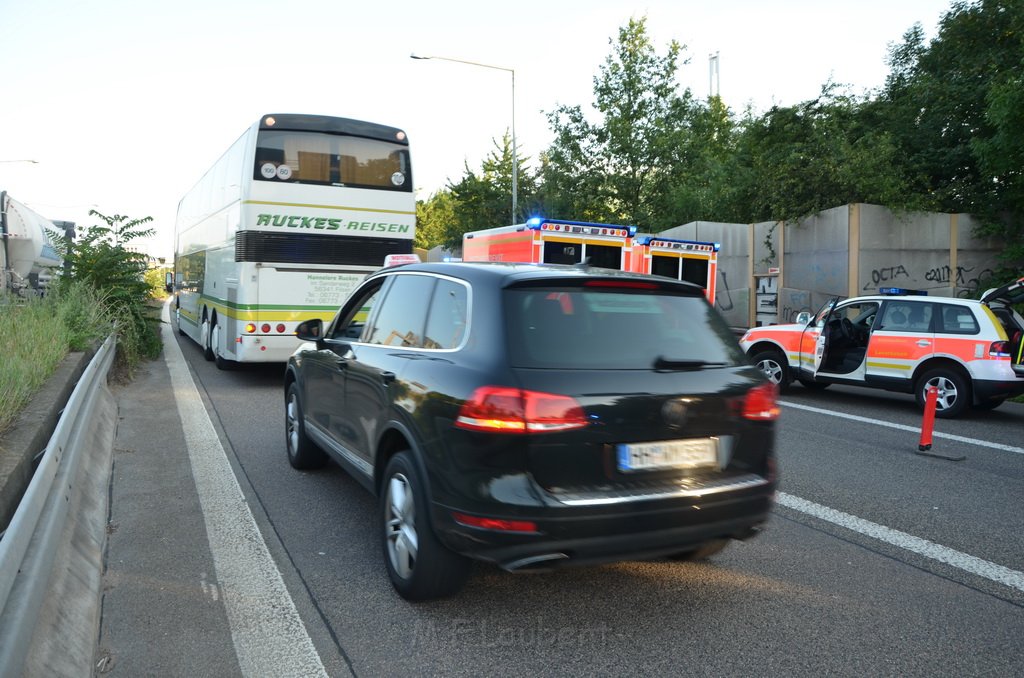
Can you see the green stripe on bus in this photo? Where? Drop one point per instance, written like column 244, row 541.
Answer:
column 264, row 307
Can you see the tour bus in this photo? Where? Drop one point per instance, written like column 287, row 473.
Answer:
column 283, row 226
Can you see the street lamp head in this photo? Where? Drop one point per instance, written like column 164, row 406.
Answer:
column 417, row 56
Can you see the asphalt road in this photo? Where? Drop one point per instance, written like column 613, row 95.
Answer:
column 877, row 561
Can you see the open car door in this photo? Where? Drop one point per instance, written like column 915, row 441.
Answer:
column 821, row 321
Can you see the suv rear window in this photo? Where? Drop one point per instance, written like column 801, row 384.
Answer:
column 594, row 328
column 957, row 320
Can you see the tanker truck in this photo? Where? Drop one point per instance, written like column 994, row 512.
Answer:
column 27, row 256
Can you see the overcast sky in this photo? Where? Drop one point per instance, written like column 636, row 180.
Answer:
column 124, row 104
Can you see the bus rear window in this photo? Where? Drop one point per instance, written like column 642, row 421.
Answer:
column 331, row 160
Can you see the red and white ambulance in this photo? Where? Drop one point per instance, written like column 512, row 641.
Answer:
column 555, row 241
column 552, row 241
column 688, row 260
column 971, row 350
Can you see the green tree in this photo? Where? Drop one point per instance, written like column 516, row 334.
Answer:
column 484, row 199
column 953, row 107
column 708, row 181
column 794, row 161
column 102, row 259
column 435, row 216
column 620, row 167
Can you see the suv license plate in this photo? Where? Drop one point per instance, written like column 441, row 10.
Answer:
column 668, row 454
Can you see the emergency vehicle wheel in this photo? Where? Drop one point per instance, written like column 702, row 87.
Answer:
column 954, row 392
column 774, row 367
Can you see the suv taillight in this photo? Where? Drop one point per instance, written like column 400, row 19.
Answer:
column 500, row 409
column 761, row 403
column 999, row 349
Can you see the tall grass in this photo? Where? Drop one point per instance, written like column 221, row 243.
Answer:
column 36, row 335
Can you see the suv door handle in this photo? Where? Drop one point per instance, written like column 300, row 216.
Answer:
column 923, row 342
column 387, row 377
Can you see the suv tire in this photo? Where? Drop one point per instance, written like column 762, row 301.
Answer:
column 774, row 366
column 302, row 452
column 954, row 391
column 419, row 566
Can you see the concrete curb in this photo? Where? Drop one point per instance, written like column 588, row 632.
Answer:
column 32, row 429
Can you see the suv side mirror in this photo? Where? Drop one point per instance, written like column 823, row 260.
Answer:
column 310, row 330
column 803, row 318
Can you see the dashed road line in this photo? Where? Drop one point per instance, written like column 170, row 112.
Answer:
column 908, row 542
column 904, row 427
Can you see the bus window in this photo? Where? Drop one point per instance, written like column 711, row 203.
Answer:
column 331, row 159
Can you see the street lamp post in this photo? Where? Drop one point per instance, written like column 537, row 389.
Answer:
column 515, row 162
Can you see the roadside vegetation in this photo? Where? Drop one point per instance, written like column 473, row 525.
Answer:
column 943, row 133
column 108, row 286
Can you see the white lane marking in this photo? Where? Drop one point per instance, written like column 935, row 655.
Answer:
column 904, row 427
column 908, row 542
column 269, row 636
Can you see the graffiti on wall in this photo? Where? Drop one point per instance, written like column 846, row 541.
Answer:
column 941, row 275
column 794, row 302
column 887, row 274
column 723, row 295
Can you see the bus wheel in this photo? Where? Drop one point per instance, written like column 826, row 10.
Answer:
column 205, row 336
column 220, row 361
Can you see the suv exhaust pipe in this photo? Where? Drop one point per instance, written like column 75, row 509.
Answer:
column 533, row 563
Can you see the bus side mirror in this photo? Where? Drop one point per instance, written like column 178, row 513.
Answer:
column 169, row 281
column 310, row 330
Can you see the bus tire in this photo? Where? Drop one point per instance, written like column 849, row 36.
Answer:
column 220, row 361
column 204, row 334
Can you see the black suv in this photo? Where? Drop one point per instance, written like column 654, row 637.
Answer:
column 535, row 416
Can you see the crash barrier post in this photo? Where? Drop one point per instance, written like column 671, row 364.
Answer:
column 928, row 424
column 28, row 547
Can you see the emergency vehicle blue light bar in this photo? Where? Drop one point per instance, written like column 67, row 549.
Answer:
column 675, row 244
column 901, row 292
column 580, row 227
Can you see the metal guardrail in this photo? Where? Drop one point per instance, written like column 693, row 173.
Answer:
column 32, row 538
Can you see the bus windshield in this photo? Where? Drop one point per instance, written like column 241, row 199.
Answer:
column 331, row 160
